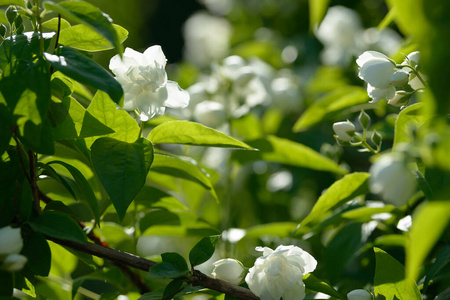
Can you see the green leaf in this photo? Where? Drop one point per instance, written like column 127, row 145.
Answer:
column 82, row 37
column 190, row 133
column 441, row 261
column 71, row 121
column 275, row 149
column 84, row 186
column 122, row 168
column 429, row 222
column 203, row 250
column 279, row 229
column 165, row 270
column 408, row 119
column 37, row 251
column 173, row 288
column 315, row 284
column 58, row 225
column 391, row 240
column 86, row 71
column 156, row 295
column 158, row 217
column 317, row 10
column 90, row 15
column 330, row 104
column 182, row 167
column 177, row 260
column 53, row 24
column 388, row 19
column 6, row 124
column 339, row 192
column 124, row 126
column 341, row 249
column 390, row 278
column 20, row 3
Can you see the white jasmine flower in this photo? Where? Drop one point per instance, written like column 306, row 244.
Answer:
column 400, row 99
column 230, row 270
column 14, row 262
column 399, row 78
column 210, row 113
column 344, row 130
column 376, row 69
column 10, row 240
column 391, row 178
column 359, row 294
column 413, row 58
column 278, row 273
column 144, row 81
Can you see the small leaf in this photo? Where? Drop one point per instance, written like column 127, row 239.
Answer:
column 408, row 119
column 90, row 15
column 82, row 37
column 86, row 71
column 173, row 288
column 203, row 250
column 177, row 260
column 344, row 189
column 430, row 220
column 37, row 251
column 441, row 261
column 275, row 149
column 165, row 270
column 122, row 169
column 317, row 285
column 390, row 279
column 190, row 133
column 59, row 226
column 53, row 24
column 333, row 102
column 155, row 295
column 84, row 187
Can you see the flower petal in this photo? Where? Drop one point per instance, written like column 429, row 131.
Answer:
column 176, row 97
column 154, row 55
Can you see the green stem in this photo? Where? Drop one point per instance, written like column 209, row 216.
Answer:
column 38, row 18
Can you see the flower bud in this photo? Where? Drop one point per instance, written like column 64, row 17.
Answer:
column 2, row 31
column 20, row 28
column 399, row 78
column 414, row 58
column 230, row 270
column 14, row 262
column 359, row 294
column 344, row 130
column 11, row 14
column 400, row 99
column 376, row 138
column 10, row 240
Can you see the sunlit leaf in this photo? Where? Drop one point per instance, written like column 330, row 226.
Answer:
column 390, row 279
column 429, row 221
column 408, row 119
column 314, row 284
column 53, row 24
column 82, row 37
column 190, row 133
column 317, row 10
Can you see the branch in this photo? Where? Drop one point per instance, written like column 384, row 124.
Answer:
column 116, row 256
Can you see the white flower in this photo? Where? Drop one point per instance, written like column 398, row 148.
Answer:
column 14, row 262
column 230, row 270
column 10, row 240
column 399, row 78
column 400, row 99
column 210, row 113
column 391, row 178
column 404, row 224
column 279, row 273
column 344, row 130
column 413, row 59
column 144, row 81
column 359, row 294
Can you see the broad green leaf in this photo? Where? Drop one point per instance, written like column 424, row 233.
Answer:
column 248, row 127
column 158, row 217
column 88, row 14
column 84, row 187
column 124, row 126
column 429, row 221
column 408, row 119
column 317, row 10
column 391, row 240
column 53, row 24
column 190, row 133
column 165, row 270
column 82, row 37
column 341, row 249
column 49, row 171
column 364, row 214
column 122, row 168
column 275, row 149
column 333, row 102
column 86, row 71
column 182, row 167
column 13, row 2
column 411, row 17
column 341, row 191
column 203, row 250
column 390, row 279
column 315, row 284
column 58, row 225
column 71, row 121
column 441, row 261
column 175, row 259
column 37, row 251
column 155, row 295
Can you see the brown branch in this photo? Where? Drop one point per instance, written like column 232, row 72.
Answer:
column 116, row 256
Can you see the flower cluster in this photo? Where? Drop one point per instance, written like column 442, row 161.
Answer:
column 144, row 81
column 11, row 244
column 387, row 80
